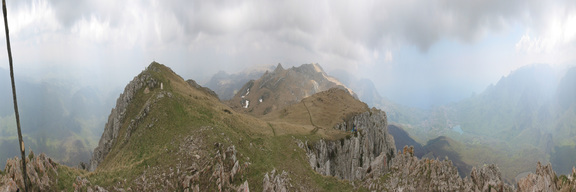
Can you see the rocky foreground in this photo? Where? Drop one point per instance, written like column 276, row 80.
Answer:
column 405, row 172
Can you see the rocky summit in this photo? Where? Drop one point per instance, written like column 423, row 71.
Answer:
column 282, row 87
column 168, row 134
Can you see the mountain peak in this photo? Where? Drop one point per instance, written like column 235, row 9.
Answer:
column 278, row 68
column 275, row 90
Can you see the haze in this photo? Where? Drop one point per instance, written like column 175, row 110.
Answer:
column 417, row 53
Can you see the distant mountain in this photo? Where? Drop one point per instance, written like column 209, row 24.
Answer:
column 367, row 92
column 517, row 103
column 226, row 85
column 56, row 118
column 530, row 111
column 402, row 138
column 445, row 147
column 282, row 87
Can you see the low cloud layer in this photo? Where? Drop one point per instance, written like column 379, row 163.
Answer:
column 111, row 39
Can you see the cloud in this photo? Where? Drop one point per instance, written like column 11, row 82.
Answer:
column 346, row 29
column 557, row 34
column 198, row 38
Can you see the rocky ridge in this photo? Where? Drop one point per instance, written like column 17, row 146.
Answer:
column 206, row 90
column 366, row 152
column 409, row 173
column 118, row 113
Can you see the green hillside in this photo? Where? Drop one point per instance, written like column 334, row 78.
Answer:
column 179, row 132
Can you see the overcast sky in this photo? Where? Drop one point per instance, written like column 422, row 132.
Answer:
column 416, row 52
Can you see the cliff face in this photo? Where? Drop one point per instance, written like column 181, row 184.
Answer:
column 118, row 114
column 366, row 152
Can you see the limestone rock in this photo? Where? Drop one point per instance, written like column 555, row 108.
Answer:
column 276, row 182
column 409, row 173
column 366, row 152
column 487, row 178
column 8, row 185
column 543, row 180
column 38, row 169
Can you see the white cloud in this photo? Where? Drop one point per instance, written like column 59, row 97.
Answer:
column 550, row 38
column 94, row 29
column 32, row 20
column 201, row 37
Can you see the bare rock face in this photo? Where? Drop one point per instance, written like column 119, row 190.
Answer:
column 366, row 153
column 118, row 114
column 409, row 173
column 544, row 180
column 38, row 169
column 488, row 178
column 276, row 182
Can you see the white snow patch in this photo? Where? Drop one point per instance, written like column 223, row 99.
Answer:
column 247, row 103
column 260, row 100
column 247, row 92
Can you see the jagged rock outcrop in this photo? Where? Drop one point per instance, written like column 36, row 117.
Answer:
column 276, row 182
column 226, row 169
column 488, row 178
column 366, row 152
column 118, row 113
column 409, row 173
column 39, row 169
column 545, row 179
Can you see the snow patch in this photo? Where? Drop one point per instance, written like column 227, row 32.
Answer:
column 247, row 92
column 260, row 100
column 247, row 104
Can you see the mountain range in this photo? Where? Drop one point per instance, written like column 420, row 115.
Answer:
column 170, row 134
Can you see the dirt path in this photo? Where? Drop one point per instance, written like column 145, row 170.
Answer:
column 311, row 122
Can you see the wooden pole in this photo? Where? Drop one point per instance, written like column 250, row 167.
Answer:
column 22, row 149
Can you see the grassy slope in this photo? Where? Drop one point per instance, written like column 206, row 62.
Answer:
column 319, row 112
column 191, row 113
